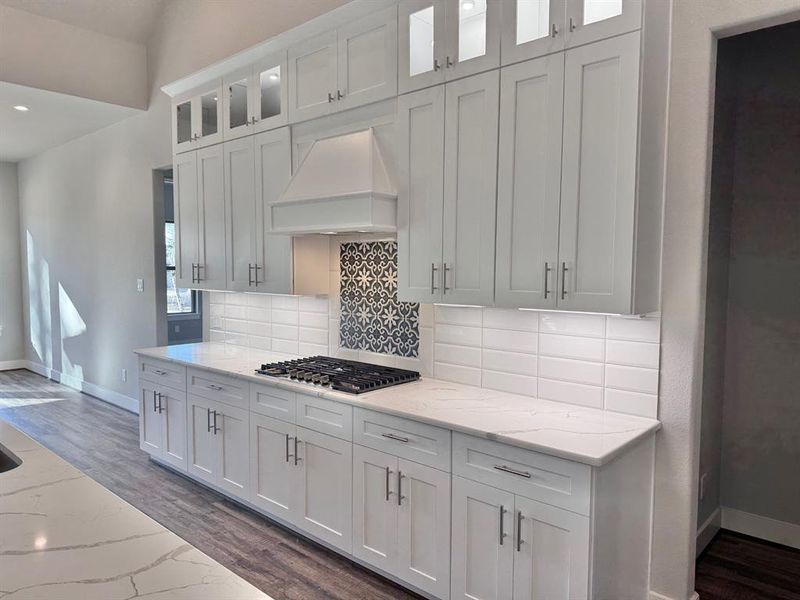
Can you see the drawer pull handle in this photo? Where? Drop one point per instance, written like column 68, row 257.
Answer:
column 388, row 493
column 503, row 534
column 213, row 386
column 400, row 488
column 507, row 469
column 159, row 372
column 519, row 530
column 396, row 438
column 288, row 455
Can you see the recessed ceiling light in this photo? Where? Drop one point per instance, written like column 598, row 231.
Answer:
column 468, row 4
column 21, row 108
column 274, row 76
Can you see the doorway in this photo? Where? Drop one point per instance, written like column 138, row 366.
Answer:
column 750, row 429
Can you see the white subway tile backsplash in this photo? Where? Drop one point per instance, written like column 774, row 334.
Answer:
column 466, row 356
column 259, row 343
column 259, row 329
column 458, row 374
column 503, row 318
column 573, row 324
column 262, row 301
column 573, row 393
column 216, row 335
column 313, row 304
column 426, row 351
column 469, row 316
column 285, row 317
column 634, row 379
column 216, row 310
column 316, row 320
column 237, row 326
column 577, row 371
column 509, row 362
column 514, row 341
column 570, row 346
column 235, row 311
column 236, row 299
column 262, row 315
column 285, row 346
column 455, row 334
column 509, row 382
column 313, row 336
column 308, row 349
column 634, row 403
column 285, row 332
column 635, row 354
column 285, row 302
column 638, row 329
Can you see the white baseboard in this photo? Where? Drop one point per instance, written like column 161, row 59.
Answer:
column 657, row 596
column 763, row 528
column 110, row 396
column 707, row 531
column 10, row 365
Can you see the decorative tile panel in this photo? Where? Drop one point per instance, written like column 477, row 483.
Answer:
column 371, row 317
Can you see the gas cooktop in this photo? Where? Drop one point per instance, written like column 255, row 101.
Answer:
column 342, row 375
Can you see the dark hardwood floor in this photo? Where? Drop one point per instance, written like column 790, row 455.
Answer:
column 103, row 442
column 739, row 567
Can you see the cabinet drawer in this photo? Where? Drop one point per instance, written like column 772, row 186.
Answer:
column 272, row 401
column 552, row 480
column 163, row 372
column 415, row 441
column 217, row 387
column 325, row 416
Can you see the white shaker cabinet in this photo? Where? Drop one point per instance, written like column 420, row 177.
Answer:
column 529, row 182
column 353, row 65
column 592, row 20
column 466, row 158
column 202, row 442
column 598, row 185
column 443, row 40
column 150, row 421
column 272, row 465
column 162, row 431
column 197, row 118
column 401, row 519
column 200, row 218
column 241, row 215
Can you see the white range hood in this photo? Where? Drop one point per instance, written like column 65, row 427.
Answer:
column 341, row 186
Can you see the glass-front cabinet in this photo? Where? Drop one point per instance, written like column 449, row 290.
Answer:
column 533, row 28
column 255, row 98
column 442, row 40
column 196, row 119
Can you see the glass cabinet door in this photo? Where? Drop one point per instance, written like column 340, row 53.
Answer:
column 270, row 93
column 422, row 44
column 593, row 20
column 473, row 31
column 183, row 122
column 533, row 28
column 237, row 110
column 209, row 114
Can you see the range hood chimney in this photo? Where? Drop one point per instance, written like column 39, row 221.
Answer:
column 341, row 186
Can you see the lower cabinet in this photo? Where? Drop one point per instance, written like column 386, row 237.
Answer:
column 401, row 519
column 218, row 445
column 162, row 431
column 508, row 546
column 303, row 477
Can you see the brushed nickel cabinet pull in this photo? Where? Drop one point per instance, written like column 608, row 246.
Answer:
column 208, row 420
column 572, row 25
column 154, row 402
column 400, row 488
column 433, row 274
column 564, row 270
column 160, row 407
column 388, row 473
column 397, row 438
column 255, row 275
column 296, row 458
column 436, row 65
column 502, row 517
column 215, row 387
column 553, row 30
column 249, row 274
column 519, row 530
column 450, row 63
column 288, row 456
column 330, row 98
column 446, row 270
column 339, row 94
column 547, row 269
column 507, row 469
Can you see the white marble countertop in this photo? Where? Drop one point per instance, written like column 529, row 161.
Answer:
column 63, row 535
column 587, row 435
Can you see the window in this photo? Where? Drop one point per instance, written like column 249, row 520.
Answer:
column 179, row 300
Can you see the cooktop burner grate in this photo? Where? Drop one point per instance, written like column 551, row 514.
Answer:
column 342, row 375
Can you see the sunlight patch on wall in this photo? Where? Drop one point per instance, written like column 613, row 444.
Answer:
column 39, row 304
column 72, row 325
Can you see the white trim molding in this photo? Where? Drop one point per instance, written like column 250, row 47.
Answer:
column 110, row 396
column 10, row 365
column 657, row 596
column 764, row 528
column 709, row 528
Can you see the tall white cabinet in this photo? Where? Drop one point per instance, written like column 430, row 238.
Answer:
column 464, row 271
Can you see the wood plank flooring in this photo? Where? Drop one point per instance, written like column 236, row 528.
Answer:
column 739, row 567
column 103, row 441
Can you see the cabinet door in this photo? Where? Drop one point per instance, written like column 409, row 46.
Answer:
column 203, row 445
column 423, row 530
column 601, row 92
column 241, row 215
column 272, row 470
column 473, row 37
column 233, row 431
column 150, row 421
column 237, row 103
column 422, row 43
column 312, row 77
column 470, row 189
column 483, row 549
column 173, row 423
column 529, row 183
column 273, row 164
column 187, row 218
column 420, row 198
column 325, row 492
column 375, row 508
column 593, row 20
column 551, row 558
column 211, row 200
column 533, row 28
column 207, row 117
column 367, row 59
column 270, row 93
column 182, row 130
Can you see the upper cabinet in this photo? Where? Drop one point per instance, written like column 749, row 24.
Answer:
column 533, row 28
column 441, row 40
column 344, row 68
column 197, row 119
column 255, row 98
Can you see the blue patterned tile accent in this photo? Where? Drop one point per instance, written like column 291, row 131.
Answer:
column 372, row 319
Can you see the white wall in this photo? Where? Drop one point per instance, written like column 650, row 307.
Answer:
column 87, row 206
column 10, row 282
column 695, row 25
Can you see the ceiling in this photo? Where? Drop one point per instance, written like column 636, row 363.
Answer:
column 53, row 119
column 131, row 20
